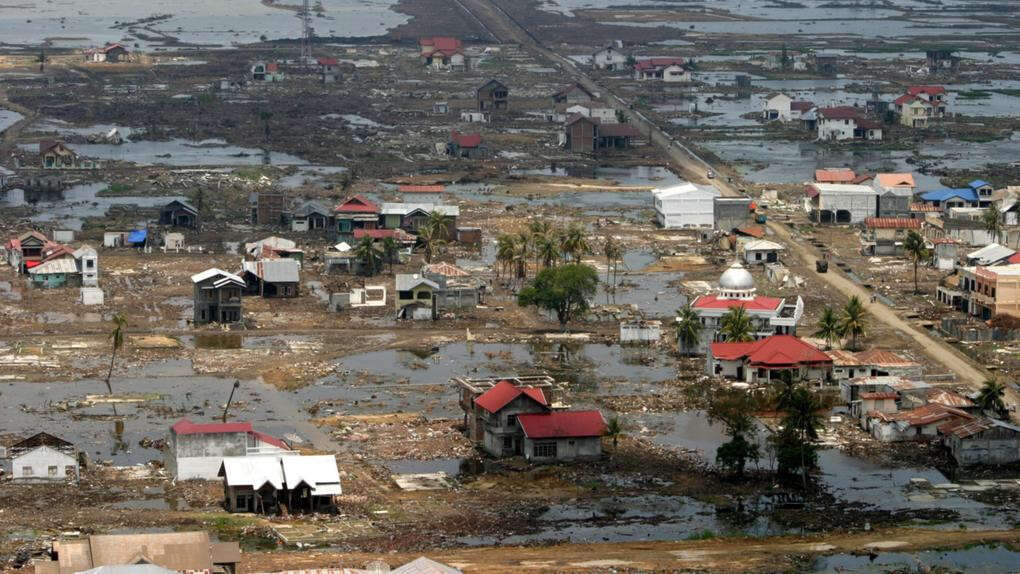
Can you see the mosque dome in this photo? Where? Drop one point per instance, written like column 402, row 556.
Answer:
column 736, row 278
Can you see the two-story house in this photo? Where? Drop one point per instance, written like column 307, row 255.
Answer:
column 196, row 450
column 217, row 296
column 493, row 96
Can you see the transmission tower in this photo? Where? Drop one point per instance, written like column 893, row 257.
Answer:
column 306, row 33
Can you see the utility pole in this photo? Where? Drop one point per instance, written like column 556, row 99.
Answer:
column 306, row 33
column 231, row 398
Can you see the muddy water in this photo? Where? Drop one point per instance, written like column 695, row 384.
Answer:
column 643, row 175
column 180, row 152
column 976, row 560
column 73, row 205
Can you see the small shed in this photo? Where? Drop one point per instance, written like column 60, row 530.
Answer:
column 179, row 213
column 91, row 296
column 173, row 241
column 43, row 458
column 640, row 331
column 761, row 251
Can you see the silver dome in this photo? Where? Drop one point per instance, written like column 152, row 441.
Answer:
column 736, row 278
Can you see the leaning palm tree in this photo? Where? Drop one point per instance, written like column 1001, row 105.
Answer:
column 575, row 242
column 368, row 255
column 688, row 329
column 391, row 251
column 916, row 249
column 116, row 342
column 852, row 322
column 736, row 325
column 990, row 399
column 992, row 220
column 828, row 327
column 439, row 225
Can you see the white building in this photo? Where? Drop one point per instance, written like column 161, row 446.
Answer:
column 42, row 458
column 685, row 206
column 769, row 315
column 196, row 451
column 781, row 107
column 846, row 123
column 604, row 115
column 761, row 251
column 640, row 331
column 609, row 58
column 840, row 202
column 88, row 265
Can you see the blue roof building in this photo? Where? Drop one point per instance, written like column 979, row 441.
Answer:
column 939, row 196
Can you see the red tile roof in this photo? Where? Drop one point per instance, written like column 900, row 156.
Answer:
column 840, row 113
column 184, row 427
column 930, row 90
column 1014, row 258
column 328, row 61
column 884, row 358
column 925, row 207
column 949, row 398
column 801, row 106
column 466, row 140
column 837, row 175
column 759, row 303
column 562, row 424
column 752, row 230
column 907, row 98
column 892, row 223
column 504, row 392
column 440, row 45
column 357, row 204
column 777, row 351
column 618, row 130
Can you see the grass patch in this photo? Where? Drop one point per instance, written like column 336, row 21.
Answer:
column 703, row 535
column 974, row 95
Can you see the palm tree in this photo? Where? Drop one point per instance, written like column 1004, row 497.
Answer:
column 391, row 251
column 575, row 242
column 613, row 430
column 368, row 255
column 802, row 419
column 688, row 329
column 505, row 250
column 117, row 341
column 828, row 327
column 523, row 246
column 432, row 238
column 613, row 252
column 736, row 325
column 547, row 250
column 993, row 222
column 439, row 225
column 917, row 250
column 852, row 322
column 990, row 399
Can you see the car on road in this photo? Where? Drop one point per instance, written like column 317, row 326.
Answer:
column 710, row 174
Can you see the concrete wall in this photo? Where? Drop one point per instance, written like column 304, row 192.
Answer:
column 566, row 448
column 199, row 456
column 995, row 449
column 731, row 212
column 688, row 210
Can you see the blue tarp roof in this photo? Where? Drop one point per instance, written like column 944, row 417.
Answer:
column 138, row 236
column 966, row 194
column 978, row 183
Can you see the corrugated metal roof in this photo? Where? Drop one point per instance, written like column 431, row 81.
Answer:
column 892, row 223
column 253, row 471
column 275, row 270
column 407, row 281
column 424, row 565
column 504, row 392
column 214, row 272
column 562, row 424
column 55, row 266
column 319, row 472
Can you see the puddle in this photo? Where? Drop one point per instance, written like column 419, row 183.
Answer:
column 70, row 207
column 308, row 175
column 8, row 118
column 451, row 466
column 976, row 560
column 637, row 176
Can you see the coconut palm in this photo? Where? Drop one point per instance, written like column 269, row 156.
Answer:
column 990, row 399
column 852, row 322
column 613, row 253
column 688, row 329
column 505, row 249
column 391, row 251
column 433, row 240
column 116, row 342
column 916, row 249
column 547, row 249
column 613, row 430
column 992, row 220
column 368, row 255
column 736, row 325
column 575, row 242
column 523, row 248
column 828, row 327
column 439, row 225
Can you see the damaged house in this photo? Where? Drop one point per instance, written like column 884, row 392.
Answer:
column 270, row 484
column 763, row 361
column 191, row 552
column 886, row 235
column 179, row 213
column 981, row 441
column 272, row 278
column 56, row 155
column 468, row 146
column 355, row 212
column 311, row 216
column 493, row 96
column 512, row 417
column 584, row 134
column 42, row 458
column 217, row 297
column 196, row 450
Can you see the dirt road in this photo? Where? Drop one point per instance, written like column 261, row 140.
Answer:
column 720, row 555
column 688, row 161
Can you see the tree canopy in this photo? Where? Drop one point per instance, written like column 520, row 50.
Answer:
column 565, row 290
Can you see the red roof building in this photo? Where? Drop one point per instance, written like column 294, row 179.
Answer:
column 925, row 90
column 563, row 424
column 357, row 204
column 892, row 223
column 758, row 303
column 421, row 189
column 755, row 362
column 465, row 140
column 834, row 175
column 504, row 393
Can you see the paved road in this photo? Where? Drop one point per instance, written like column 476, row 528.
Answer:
column 501, row 25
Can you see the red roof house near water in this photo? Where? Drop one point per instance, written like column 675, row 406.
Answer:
column 186, row 427
column 466, row 140
column 755, row 361
column 834, row 175
column 504, row 392
column 563, row 424
column 357, row 204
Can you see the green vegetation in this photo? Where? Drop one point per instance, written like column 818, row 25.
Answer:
column 736, row 325
column 368, row 256
column 852, row 322
column 688, row 329
column 703, row 535
column 734, row 408
column 564, row 290
column 990, row 399
column 917, row 250
column 828, row 327
column 973, row 95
